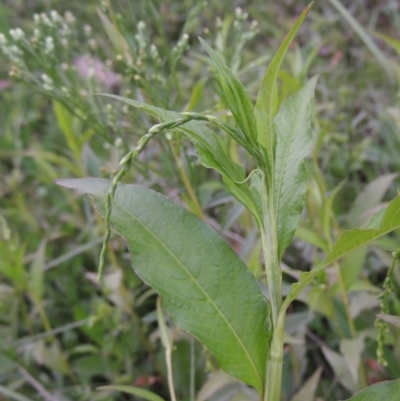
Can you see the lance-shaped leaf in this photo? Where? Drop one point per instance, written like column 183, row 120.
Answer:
column 204, row 286
column 387, row 391
column 267, row 102
column 348, row 242
column 209, row 149
column 234, row 95
column 293, row 144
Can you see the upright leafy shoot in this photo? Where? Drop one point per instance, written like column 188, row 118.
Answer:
column 204, row 286
column 235, row 96
column 267, row 99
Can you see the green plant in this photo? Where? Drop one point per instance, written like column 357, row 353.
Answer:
column 204, row 286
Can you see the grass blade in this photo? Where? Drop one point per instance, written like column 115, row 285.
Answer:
column 378, row 54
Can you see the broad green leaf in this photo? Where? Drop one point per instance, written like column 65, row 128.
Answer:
column 235, row 96
column 348, row 242
column 204, row 286
column 385, row 391
column 139, row 392
column 267, row 106
column 209, row 149
column 293, row 144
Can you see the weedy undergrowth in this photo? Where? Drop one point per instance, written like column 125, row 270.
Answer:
column 204, row 286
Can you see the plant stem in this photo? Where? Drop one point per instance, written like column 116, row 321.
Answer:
column 270, row 249
column 168, row 359
column 273, row 378
column 269, row 239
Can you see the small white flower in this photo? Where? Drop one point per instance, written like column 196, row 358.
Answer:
column 36, row 33
column 46, row 79
column 15, row 51
column 48, row 44
column 238, row 12
column 55, row 16
column 65, row 31
column 141, row 26
column 36, row 19
column 3, row 40
column 47, row 82
column 69, row 17
column 87, row 29
column 46, row 20
column 153, row 52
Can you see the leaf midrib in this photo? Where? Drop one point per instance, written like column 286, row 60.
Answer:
column 199, row 286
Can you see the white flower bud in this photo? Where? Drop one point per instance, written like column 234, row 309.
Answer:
column 69, row 17
column 46, row 79
column 153, row 52
column 46, row 20
column 48, row 44
column 87, row 29
column 54, row 16
column 3, row 39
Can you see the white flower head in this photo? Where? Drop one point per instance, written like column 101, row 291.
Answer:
column 17, row 34
column 69, row 17
column 46, row 20
column 55, row 16
column 48, row 44
column 3, row 39
column 87, row 29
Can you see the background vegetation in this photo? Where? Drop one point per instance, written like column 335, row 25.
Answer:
column 62, row 333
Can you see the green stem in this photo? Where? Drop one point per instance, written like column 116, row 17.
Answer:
column 269, row 242
column 273, row 378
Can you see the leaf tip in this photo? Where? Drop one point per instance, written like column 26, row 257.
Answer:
column 308, row 8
